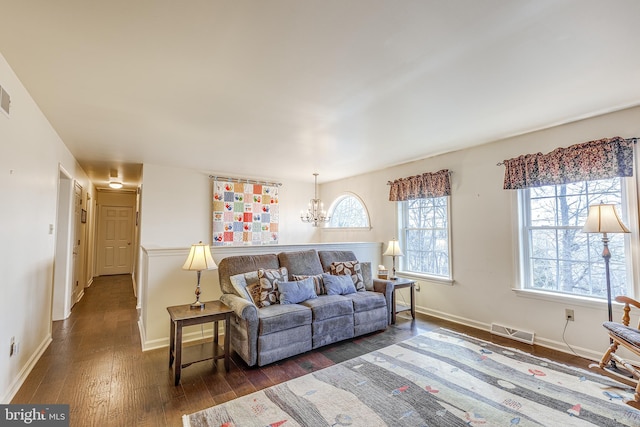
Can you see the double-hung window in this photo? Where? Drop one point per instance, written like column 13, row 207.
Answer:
column 424, row 223
column 556, row 256
column 425, row 235
column 555, row 192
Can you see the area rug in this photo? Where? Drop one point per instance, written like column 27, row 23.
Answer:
column 439, row 378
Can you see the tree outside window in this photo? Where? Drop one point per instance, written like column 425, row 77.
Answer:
column 557, row 256
column 425, row 230
column 348, row 211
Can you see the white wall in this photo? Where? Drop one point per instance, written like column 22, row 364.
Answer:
column 483, row 235
column 30, row 154
column 176, row 208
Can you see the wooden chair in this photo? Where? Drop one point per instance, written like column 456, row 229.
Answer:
column 622, row 335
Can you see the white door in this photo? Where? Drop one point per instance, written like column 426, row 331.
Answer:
column 114, row 240
column 76, row 291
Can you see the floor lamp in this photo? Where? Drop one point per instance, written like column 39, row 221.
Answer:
column 603, row 219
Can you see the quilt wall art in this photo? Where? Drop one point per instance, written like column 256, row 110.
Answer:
column 245, row 214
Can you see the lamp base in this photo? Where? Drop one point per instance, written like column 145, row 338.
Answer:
column 393, row 278
column 197, row 305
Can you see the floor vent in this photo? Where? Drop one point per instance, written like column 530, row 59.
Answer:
column 514, row 334
column 5, row 100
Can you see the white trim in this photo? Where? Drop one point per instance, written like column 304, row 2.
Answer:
column 543, row 342
column 426, row 278
column 26, row 370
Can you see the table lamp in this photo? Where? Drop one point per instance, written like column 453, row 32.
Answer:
column 393, row 250
column 199, row 259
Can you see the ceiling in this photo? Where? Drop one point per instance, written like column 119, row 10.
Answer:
column 281, row 89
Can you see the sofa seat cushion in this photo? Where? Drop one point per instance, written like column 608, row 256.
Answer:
column 366, row 300
column 280, row 317
column 329, row 306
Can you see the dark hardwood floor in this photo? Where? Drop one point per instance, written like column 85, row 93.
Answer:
column 95, row 364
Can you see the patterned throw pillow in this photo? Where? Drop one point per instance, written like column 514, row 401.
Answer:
column 349, row 268
column 253, row 290
column 241, row 283
column 268, row 280
column 318, row 284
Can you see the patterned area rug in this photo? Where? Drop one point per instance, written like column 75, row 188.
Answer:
column 439, row 378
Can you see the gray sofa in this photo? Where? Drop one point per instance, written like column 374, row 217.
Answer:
column 277, row 331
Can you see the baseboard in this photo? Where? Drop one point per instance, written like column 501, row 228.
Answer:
column 164, row 342
column 543, row 342
column 135, row 286
column 26, row 370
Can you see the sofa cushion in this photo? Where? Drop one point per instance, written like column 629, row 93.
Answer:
column 280, row 317
column 301, row 262
column 366, row 300
column 329, row 257
column 317, row 282
column 269, row 279
column 329, row 306
column 351, row 269
column 233, row 265
column 338, row 285
column 242, row 281
column 297, row 291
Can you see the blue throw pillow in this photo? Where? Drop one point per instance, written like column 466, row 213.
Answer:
column 338, row 285
column 296, row 292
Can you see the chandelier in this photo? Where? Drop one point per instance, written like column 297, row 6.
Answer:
column 315, row 211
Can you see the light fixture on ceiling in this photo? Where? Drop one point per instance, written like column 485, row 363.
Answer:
column 113, row 180
column 315, row 211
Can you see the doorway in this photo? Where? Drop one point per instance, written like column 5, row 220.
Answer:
column 115, row 237
column 61, row 301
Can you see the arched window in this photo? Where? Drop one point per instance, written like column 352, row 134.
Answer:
column 348, row 211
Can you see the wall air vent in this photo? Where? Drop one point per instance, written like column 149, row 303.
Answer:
column 514, row 334
column 5, row 100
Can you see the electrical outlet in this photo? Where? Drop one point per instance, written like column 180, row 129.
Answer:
column 417, row 286
column 568, row 314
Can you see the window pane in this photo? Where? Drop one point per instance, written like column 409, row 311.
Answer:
column 426, row 236
column 349, row 212
column 560, row 257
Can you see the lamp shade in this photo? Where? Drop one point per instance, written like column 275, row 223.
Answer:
column 199, row 258
column 603, row 218
column 393, row 249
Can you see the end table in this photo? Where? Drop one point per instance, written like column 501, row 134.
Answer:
column 184, row 315
column 401, row 283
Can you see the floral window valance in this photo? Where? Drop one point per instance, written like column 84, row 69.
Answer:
column 600, row 159
column 436, row 184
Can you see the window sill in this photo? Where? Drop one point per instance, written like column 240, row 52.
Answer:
column 562, row 298
column 426, row 278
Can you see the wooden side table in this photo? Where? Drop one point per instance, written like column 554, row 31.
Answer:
column 401, row 283
column 183, row 315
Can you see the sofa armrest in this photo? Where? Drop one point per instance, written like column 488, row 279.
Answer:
column 244, row 327
column 241, row 307
column 385, row 287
